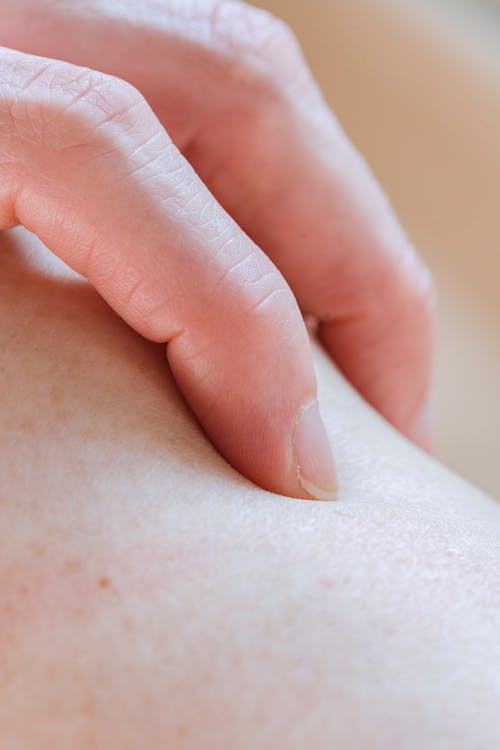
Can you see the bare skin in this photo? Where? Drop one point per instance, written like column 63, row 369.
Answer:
column 153, row 598
column 106, row 107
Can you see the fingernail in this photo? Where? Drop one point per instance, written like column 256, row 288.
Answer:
column 315, row 465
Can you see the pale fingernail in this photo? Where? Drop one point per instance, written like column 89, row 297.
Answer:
column 315, row 465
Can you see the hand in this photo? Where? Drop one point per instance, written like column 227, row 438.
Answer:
column 86, row 164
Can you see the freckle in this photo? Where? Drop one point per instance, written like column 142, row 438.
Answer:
column 56, row 394
column 72, row 566
column 326, row 583
column 23, row 591
column 104, row 583
column 27, row 425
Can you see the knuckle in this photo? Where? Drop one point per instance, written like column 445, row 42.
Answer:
column 263, row 297
column 109, row 101
column 269, row 312
column 98, row 101
column 73, row 105
column 412, row 286
column 263, row 46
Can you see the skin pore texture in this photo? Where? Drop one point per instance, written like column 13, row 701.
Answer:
column 150, row 597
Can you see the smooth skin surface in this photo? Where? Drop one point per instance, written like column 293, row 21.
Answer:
column 281, row 213
column 153, row 598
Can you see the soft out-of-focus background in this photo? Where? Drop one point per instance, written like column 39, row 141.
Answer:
column 416, row 84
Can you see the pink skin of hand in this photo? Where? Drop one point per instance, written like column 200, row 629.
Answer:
column 86, row 164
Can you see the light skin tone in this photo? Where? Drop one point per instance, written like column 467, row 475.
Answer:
column 151, row 597
column 281, row 217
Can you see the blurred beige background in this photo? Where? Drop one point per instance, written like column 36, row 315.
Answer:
column 417, row 87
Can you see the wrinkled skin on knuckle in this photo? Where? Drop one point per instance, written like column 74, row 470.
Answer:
column 270, row 316
column 245, row 278
column 27, row 100
column 106, row 108
column 264, row 50
column 249, row 294
column 80, row 107
column 59, row 106
column 103, row 120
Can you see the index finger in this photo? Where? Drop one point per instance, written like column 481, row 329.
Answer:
column 86, row 165
column 231, row 83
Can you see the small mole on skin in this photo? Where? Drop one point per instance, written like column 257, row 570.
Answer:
column 104, row 583
column 72, row 566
